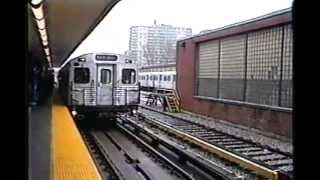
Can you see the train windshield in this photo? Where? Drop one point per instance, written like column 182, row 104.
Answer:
column 128, row 76
column 81, row 75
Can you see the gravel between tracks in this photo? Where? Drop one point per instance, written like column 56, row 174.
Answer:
column 238, row 131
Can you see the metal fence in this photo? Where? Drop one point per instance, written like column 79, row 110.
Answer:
column 255, row 67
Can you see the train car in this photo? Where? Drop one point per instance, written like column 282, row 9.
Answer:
column 150, row 81
column 98, row 83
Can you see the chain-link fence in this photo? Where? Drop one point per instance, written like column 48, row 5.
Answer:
column 255, row 67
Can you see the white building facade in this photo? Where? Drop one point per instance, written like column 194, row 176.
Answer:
column 156, row 44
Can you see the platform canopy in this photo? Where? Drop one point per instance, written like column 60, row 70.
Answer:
column 64, row 24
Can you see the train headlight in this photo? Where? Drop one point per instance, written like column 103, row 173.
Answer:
column 134, row 111
column 36, row 2
column 74, row 113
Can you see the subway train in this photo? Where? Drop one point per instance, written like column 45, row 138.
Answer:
column 100, row 84
column 150, row 81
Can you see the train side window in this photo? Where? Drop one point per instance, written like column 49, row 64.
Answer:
column 128, row 76
column 147, row 77
column 81, row 75
column 160, row 77
column 164, row 78
column 156, row 77
column 105, row 76
column 174, row 77
column 169, row 78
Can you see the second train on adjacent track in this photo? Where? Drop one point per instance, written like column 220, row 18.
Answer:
column 150, row 81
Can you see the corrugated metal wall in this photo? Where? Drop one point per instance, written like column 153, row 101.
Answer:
column 286, row 83
column 232, row 68
column 255, row 67
column 208, row 68
column 263, row 66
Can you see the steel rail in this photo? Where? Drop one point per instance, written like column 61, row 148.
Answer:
column 206, row 166
column 246, row 163
column 99, row 158
column 230, row 135
column 158, row 154
column 282, row 166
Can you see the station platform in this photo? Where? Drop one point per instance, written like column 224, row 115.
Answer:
column 56, row 148
column 40, row 124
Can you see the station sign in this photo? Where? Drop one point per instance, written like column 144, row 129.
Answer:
column 106, row 57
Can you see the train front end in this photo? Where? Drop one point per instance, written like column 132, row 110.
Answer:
column 102, row 84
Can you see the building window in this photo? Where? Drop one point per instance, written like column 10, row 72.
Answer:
column 81, row 75
column 128, row 76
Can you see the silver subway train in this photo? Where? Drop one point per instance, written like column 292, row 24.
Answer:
column 157, row 80
column 98, row 83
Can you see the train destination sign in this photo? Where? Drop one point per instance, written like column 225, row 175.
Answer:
column 106, row 57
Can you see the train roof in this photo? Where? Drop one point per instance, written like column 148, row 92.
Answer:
column 100, row 53
column 159, row 66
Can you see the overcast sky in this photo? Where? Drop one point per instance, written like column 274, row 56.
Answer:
column 112, row 34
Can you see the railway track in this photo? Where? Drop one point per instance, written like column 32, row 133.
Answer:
column 122, row 154
column 267, row 162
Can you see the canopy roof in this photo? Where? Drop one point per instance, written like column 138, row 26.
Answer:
column 67, row 24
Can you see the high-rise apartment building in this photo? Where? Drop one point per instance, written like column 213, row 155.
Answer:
column 156, row 44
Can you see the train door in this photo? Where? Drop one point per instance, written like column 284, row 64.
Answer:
column 105, row 80
column 160, row 81
column 147, row 80
column 153, row 81
column 174, row 81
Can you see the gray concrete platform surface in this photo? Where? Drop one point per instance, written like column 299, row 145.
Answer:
column 40, row 141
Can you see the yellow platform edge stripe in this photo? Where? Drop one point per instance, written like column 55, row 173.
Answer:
column 71, row 159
